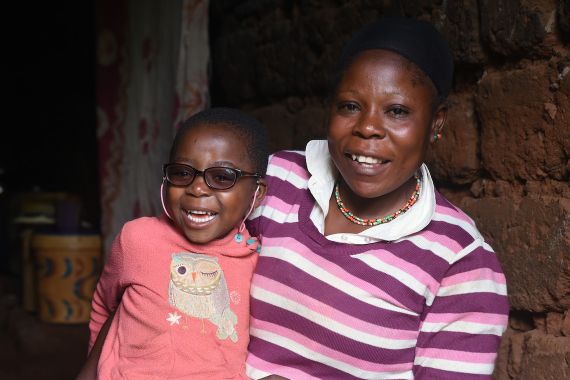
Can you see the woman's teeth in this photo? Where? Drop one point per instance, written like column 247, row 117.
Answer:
column 366, row 159
column 201, row 216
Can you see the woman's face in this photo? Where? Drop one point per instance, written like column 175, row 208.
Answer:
column 382, row 118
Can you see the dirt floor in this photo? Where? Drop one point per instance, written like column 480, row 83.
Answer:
column 31, row 349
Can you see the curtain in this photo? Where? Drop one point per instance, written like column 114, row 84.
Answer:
column 152, row 62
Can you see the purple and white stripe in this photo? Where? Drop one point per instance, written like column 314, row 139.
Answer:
column 430, row 305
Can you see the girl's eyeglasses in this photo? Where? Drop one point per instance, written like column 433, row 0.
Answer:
column 216, row 177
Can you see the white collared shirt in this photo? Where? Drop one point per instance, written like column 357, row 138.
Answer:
column 321, row 185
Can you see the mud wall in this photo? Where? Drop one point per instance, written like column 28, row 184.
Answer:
column 504, row 157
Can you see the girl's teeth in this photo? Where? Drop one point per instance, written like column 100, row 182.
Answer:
column 200, row 216
column 200, row 212
column 200, row 219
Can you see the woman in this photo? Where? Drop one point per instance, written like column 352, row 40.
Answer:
column 366, row 270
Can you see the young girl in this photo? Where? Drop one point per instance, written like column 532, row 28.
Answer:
column 178, row 285
column 366, row 270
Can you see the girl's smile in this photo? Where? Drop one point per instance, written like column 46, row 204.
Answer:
column 200, row 217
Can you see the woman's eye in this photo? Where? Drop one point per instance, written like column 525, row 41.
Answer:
column 348, row 107
column 398, row 111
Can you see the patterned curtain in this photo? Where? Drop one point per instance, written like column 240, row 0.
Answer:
column 152, row 62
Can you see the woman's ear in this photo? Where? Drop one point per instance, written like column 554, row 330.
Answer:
column 261, row 191
column 438, row 122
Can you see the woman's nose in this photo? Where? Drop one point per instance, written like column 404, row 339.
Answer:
column 370, row 126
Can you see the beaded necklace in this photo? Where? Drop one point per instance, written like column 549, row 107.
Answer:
column 374, row 222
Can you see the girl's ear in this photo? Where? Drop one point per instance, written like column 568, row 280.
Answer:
column 262, row 190
column 438, row 122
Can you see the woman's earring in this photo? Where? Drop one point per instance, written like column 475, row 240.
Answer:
column 436, row 136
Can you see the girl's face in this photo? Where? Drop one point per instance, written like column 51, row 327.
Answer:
column 201, row 213
column 382, row 118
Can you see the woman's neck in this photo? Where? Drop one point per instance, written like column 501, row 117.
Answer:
column 339, row 221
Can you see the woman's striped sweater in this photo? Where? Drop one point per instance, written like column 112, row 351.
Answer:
column 432, row 305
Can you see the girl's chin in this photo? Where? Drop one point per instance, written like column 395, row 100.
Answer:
column 197, row 238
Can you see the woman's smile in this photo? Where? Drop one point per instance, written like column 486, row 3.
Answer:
column 366, row 165
column 366, row 160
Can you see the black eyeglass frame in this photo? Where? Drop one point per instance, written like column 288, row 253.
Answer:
column 238, row 172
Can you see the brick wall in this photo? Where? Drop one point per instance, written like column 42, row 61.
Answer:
column 504, row 157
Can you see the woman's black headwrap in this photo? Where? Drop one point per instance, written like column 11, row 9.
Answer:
column 418, row 41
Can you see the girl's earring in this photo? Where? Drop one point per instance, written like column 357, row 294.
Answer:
column 242, row 225
column 162, row 199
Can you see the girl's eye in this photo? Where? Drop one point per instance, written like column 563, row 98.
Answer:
column 222, row 178
column 180, row 173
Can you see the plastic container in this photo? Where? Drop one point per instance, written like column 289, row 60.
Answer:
column 67, row 269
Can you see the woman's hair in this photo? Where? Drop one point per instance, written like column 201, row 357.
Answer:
column 417, row 41
column 242, row 124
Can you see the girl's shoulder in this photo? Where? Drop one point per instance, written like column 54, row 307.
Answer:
column 145, row 226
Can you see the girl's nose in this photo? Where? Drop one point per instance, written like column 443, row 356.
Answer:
column 198, row 187
column 369, row 126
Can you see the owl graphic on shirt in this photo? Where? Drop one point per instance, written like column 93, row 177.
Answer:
column 198, row 288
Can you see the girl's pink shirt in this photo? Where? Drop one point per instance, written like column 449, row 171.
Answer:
column 153, row 334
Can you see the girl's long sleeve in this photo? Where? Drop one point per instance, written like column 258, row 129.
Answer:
column 108, row 291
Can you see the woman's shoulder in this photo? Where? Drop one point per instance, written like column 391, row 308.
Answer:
column 288, row 158
column 444, row 206
column 289, row 166
column 453, row 236
column 453, row 222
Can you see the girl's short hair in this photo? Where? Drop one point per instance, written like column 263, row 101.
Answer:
column 239, row 122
